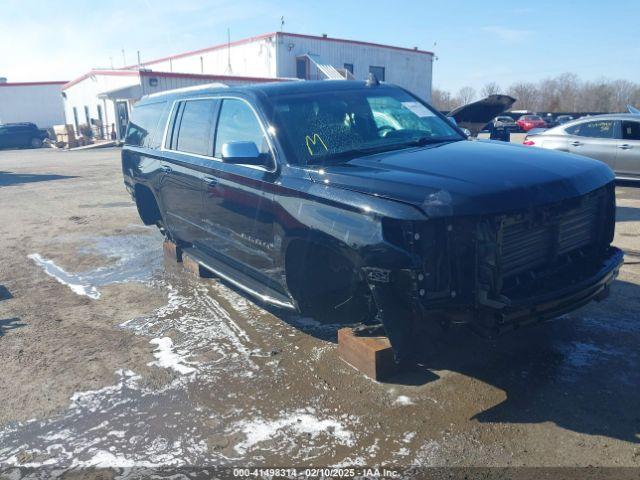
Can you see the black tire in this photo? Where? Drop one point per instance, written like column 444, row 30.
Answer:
column 35, row 142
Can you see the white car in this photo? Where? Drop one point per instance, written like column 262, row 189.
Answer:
column 613, row 139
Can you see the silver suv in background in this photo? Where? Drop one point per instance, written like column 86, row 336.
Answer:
column 613, row 139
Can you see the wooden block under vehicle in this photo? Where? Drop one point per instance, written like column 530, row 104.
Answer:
column 373, row 356
column 172, row 251
column 194, row 267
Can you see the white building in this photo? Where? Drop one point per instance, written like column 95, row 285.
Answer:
column 103, row 98
column 36, row 102
column 283, row 55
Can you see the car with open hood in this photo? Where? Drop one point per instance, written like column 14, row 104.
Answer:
column 475, row 115
column 359, row 203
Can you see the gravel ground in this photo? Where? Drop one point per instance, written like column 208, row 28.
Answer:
column 112, row 359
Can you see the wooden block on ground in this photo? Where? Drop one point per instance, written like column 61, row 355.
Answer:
column 373, row 356
column 172, row 251
column 194, row 267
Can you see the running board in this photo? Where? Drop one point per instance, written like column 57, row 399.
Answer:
column 241, row 280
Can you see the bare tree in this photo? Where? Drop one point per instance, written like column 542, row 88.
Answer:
column 597, row 96
column 466, row 95
column 568, row 88
column 442, row 100
column 563, row 93
column 625, row 93
column 491, row 88
column 526, row 95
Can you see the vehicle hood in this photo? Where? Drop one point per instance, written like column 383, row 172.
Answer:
column 477, row 114
column 469, row 177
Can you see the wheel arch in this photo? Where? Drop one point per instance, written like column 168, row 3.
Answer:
column 147, row 204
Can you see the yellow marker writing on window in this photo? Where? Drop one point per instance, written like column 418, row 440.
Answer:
column 312, row 141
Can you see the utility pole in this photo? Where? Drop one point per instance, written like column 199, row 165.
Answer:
column 229, row 69
column 124, row 59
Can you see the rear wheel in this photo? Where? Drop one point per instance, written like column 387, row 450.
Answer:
column 148, row 209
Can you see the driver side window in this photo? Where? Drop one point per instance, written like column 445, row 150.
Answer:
column 593, row 129
column 238, row 123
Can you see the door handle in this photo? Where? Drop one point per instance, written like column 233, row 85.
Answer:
column 624, row 146
column 166, row 169
column 576, row 143
column 211, row 181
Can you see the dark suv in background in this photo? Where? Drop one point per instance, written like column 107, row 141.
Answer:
column 21, row 135
column 358, row 202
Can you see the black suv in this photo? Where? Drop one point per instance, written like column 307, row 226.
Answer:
column 358, row 202
column 14, row 135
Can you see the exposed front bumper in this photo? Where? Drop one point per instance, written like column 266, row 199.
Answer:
column 552, row 303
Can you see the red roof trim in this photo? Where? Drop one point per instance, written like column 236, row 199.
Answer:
column 356, row 42
column 151, row 73
column 206, row 49
column 99, row 72
column 29, row 84
column 271, row 34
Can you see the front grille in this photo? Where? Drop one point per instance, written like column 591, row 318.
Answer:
column 528, row 245
column 517, row 250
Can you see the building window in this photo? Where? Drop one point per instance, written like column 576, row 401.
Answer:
column 349, row 67
column 378, row 72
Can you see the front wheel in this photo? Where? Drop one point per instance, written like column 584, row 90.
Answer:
column 327, row 287
column 36, row 142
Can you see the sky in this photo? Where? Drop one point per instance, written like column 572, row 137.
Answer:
column 475, row 42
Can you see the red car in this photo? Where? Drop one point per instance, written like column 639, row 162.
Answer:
column 527, row 122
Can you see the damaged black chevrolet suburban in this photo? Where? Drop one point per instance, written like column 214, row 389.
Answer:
column 358, row 202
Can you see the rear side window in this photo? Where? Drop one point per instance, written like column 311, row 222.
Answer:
column 145, row 122
column 195, row 134
column 594, row 129
column 238, row 123
column 631, row 130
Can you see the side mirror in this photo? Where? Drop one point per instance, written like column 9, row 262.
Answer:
column 244, row 153
column 452, row 121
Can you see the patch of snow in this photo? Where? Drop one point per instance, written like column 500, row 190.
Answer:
column 403, row 452
column 166, row 357
column 137, row 256
column 299, row 422
column 74, row 282
column 408, row 436
column 403, row 400
column 93, row 400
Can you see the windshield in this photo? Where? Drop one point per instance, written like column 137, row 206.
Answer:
column 344, row 124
